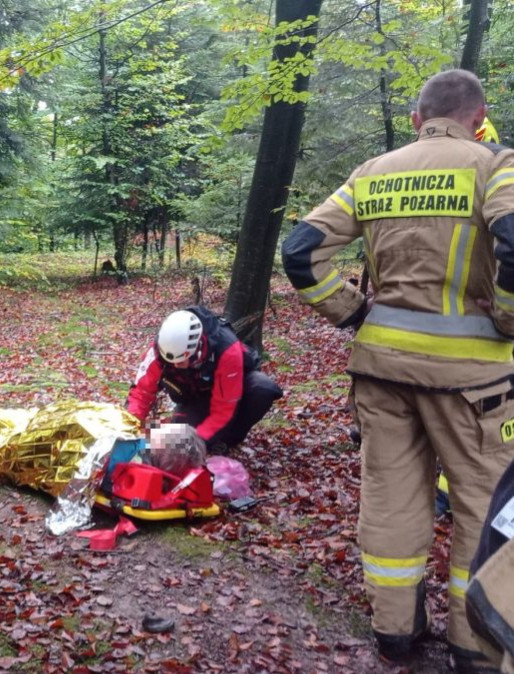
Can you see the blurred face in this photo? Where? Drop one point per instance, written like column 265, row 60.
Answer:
column 183, row 365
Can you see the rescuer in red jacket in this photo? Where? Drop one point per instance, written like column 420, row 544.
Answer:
column 211, row 376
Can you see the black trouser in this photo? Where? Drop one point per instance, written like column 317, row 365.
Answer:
column 259, row 392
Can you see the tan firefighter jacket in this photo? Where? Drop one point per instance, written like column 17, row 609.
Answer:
column 437, row 221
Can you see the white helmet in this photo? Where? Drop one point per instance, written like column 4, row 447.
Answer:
column 179, row 336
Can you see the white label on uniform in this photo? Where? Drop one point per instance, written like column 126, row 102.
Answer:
column 147, row 361
column 504, row 520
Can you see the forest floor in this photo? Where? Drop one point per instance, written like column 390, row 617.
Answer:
column 277, row 589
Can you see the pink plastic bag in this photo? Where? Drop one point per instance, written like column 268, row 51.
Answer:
column 231, row 479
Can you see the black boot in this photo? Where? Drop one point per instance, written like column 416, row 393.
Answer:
column 471, row 662
column 400, row 650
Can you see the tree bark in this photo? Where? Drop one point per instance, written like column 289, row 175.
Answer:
column 387, row 116
column 478, row 16
column 272, row 178
column 385, row 96
column 178, row 247
column 144, row 248
column 119, row 226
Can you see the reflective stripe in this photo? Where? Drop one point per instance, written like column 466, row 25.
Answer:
column 434, row 324
column 447, row 347
column 388, row 571
column 458, row 581
column 323, row 289
column 471, row 233
column 450, row 270
column 502, row 177
column 344, row 197
column 504, row 299
column 457, row 271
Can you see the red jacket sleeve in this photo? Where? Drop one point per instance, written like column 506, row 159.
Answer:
column 142, row 394
column 226, row 393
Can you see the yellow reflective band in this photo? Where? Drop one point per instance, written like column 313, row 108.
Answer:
column 442, row 483
column 506, row 306
column 450, row 269
column 393, row 562
column 503, row 293
column 458, row 581
column 466, row 264
column 457, row 270
column 504, row 300
column 472, row 348
column 500, row 178
column 344, row 197
column 386, row 581
column 415, row 193
column 323, row 289
column 391, row 572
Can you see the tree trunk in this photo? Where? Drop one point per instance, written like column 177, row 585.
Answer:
column 272, row 178
column 164, row 228
column 119, row 226
column 53, row 147
column 144, row 250
column 97, row 253
column 385, row 97
column 477, row 17
column 177, row 248
column 387, row 116
column 120, row 235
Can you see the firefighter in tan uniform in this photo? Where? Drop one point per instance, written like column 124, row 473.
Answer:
column 489, row 597
column 433, row 359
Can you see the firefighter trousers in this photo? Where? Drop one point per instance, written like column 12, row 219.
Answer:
column 404, row 431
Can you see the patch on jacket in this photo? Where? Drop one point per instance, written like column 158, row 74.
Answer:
column 415, row 193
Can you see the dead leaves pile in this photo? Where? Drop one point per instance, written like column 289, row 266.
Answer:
column 278, row 589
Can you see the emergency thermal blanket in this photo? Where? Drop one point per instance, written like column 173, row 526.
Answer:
column 43, row 448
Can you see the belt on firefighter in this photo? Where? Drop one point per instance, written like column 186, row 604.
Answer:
column 453, row 336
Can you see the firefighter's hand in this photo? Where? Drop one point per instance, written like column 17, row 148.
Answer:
column 485, row 305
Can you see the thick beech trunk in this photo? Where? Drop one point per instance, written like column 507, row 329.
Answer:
column 272, row 178
column 478, row 18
